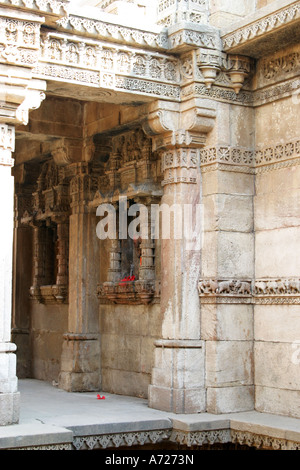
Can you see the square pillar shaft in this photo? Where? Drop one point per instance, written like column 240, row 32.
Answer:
column 9, row 396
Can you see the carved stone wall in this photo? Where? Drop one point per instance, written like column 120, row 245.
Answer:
column 276, row 289
column 193, row 112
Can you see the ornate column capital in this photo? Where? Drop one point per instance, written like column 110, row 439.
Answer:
column 179, row 130
column 19, row 54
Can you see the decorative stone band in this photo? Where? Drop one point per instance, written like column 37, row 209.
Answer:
column 261, row 441
column 200, row 438
column 52, row 447
column 91, row 54
column 184, row 438
column 260, row 160
column 179, row 437
column 192, row 37
column 101, row 64
column 258, row 28
column 227, row 155
column 116, row 440
column 260, row 291
column 55, row 7
column 225, row 93
column 277, row 155
column 115, row 32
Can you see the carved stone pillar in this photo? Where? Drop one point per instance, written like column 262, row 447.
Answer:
column 147, row 246
column 178, row 375
column 80, row 369
column 39, row 258
column 62, row 251
column 19, row 92
column 22, row 274
column 9, row 396
column 114, row 270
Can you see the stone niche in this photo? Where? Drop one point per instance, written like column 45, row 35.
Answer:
column 131, row 178
column 48, row 215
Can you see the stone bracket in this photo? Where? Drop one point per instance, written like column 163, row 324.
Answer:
column 180, row 125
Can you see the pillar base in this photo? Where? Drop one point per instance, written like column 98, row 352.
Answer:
column 80, row 363
column 21, row 338
column 230, row 399
column 179, row 401
column 9, row 408
column 178, row 383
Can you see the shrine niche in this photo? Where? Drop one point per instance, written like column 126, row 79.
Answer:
column 47, row 212
column 131, row 178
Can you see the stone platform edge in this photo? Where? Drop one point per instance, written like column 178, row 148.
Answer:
column 256, row 430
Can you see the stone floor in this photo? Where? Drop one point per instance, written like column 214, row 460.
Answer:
column 51, row 418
